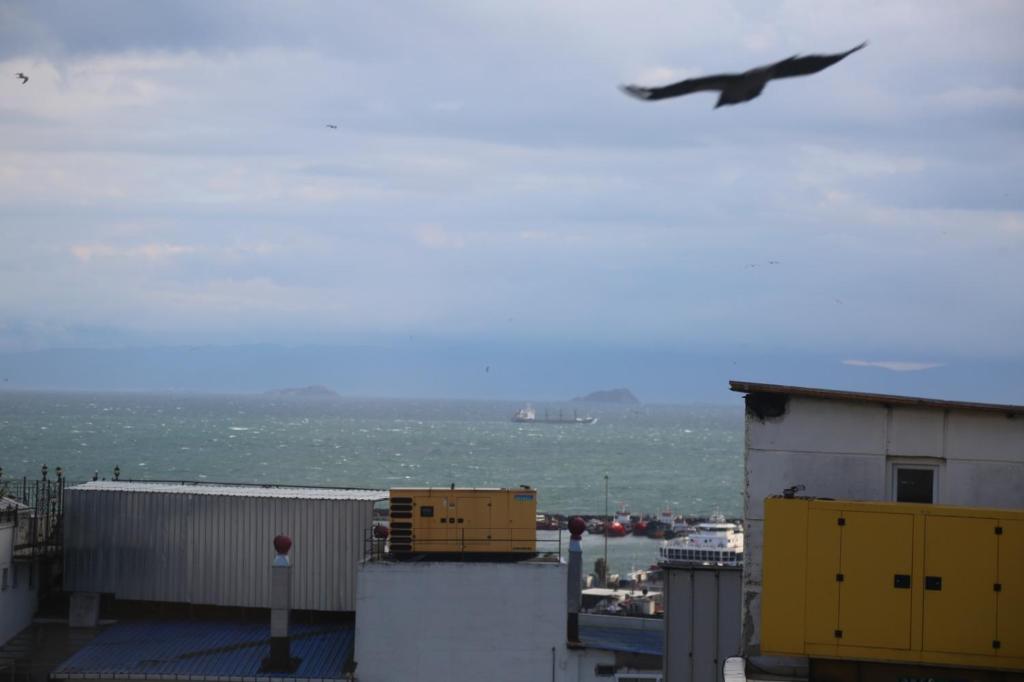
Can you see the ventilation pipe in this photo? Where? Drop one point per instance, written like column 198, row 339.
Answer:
column 280, row 659
column 576, row 528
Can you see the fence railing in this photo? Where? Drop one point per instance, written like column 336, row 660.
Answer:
column 36, row 507
column 382, row 543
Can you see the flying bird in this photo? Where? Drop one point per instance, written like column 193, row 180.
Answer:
column 742, row 87
column 332, row 126
column 23, row 77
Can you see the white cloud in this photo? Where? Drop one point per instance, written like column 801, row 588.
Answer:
column 894, row 365
column 973, row 97
column 436, row 237
column 152, row 252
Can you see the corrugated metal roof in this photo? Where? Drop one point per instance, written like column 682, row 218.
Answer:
column 236, row 490
column 629, row 640
column 207, row 651
column 829, row 394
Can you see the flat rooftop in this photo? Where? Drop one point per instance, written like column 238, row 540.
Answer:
column 207, row 651
column 829, row 394
column 234, row 490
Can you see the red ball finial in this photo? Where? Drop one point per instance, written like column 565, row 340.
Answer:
column 282, row 543
column 577, row 526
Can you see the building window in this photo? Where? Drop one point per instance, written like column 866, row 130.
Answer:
column 3, row 579
column 915, row 483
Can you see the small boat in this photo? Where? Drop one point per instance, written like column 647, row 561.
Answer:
column 623, row 518
column 656, row 529
column 545, row 522
column 640, row 527
column 595, row 526
column 615, row 529
column 678, row 528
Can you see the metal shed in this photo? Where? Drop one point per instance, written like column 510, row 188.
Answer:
column 702, row 620
column 199, row 543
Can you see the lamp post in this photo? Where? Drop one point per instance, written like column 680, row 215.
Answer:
column 607, row 522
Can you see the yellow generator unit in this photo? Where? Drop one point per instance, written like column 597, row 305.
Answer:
column 463, row 523
column 919, row 584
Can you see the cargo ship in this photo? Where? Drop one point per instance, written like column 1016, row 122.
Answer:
column 528, row 415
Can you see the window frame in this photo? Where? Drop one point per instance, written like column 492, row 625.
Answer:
column 935, row 466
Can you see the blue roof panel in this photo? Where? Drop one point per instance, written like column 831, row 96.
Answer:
column 208, row 649
column 629, row 640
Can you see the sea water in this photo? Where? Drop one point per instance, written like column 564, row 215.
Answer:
column 685, row 458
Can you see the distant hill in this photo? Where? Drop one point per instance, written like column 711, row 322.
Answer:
column 304, row 392
column 619, row 396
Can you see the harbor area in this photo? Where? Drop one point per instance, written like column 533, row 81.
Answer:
column 115, row 579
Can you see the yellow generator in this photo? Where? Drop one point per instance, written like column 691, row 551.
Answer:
column 918, row 584
column 463, row 523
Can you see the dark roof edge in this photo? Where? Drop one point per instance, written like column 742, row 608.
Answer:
column 829, row 394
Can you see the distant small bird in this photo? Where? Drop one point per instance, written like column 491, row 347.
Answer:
column 332, row 126
column 487, row 368
column 23, row 77
column 742, row 87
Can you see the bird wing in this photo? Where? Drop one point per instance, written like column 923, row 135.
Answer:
column 812, row 63
column 719, row 82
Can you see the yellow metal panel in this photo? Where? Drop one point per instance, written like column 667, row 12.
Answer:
column 784, row 576
column 960, row 566
column 954, row 626
column 821, row 613
column 522, row 520
column 474, row 524
column 1010, row 598
column 875, row 604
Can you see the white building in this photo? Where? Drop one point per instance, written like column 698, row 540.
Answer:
column 858, row 446
column 18, row 583
column 442, row 621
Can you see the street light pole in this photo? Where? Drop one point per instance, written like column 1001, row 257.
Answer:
column 607, row 522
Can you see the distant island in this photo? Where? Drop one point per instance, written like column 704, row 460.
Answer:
column 619, row 396
column 304, row 392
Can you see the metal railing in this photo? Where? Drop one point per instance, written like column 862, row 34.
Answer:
column 36, row 507
column 467, row 544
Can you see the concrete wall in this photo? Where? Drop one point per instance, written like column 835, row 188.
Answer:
column 441, row 621
column 846, row 450
column 19, row 601
column 702, row 622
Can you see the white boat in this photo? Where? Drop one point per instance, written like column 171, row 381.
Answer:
column 715, row 542
column 525, row 414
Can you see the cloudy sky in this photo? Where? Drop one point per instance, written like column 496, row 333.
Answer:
column 167, row 176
